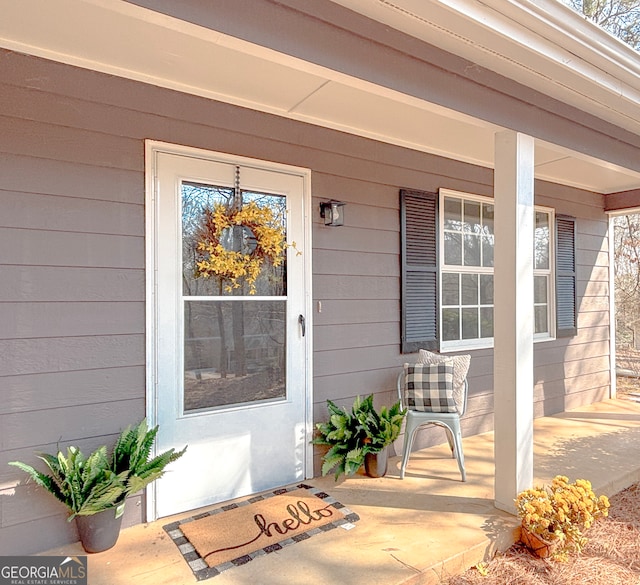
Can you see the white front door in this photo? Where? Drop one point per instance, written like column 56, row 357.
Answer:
column 229, row 375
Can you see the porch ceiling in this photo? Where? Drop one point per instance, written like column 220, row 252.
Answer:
column 125, row 40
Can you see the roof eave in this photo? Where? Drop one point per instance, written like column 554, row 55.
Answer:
column 542, row 44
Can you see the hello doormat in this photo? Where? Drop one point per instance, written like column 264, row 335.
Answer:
column 237, row 533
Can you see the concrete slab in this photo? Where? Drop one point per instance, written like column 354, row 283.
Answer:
column 416, row 531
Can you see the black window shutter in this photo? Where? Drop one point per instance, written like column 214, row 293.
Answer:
column 419, row 237
column 566, row 318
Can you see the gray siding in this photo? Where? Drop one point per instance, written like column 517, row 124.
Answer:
column 71, row 297
column 72, row 344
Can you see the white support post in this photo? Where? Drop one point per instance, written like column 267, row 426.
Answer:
column 613, row 393
column 513, row 316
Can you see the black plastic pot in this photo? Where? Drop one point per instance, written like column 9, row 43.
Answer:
column 99, row 532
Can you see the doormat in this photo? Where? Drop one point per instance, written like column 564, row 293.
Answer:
column 234, row 534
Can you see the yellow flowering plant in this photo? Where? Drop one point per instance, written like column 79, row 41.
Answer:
column 561, row 512
column 215, row 259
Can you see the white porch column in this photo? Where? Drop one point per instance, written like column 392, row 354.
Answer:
column 513, row 316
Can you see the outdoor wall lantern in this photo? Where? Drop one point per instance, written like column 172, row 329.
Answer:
column 332, row 212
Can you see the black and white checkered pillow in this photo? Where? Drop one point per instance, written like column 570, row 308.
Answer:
column 460, row 365
column 429, row 387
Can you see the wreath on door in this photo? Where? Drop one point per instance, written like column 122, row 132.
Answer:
column 234, row 243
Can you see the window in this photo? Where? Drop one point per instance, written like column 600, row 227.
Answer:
column 466, row 263
column 542, row 283
column 466, row 270
column 448, row 240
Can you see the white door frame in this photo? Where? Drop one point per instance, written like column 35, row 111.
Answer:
column 152, row 148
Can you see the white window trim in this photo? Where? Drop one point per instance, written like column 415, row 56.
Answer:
column 488, row 342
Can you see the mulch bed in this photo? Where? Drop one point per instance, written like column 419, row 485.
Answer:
column 612, row 555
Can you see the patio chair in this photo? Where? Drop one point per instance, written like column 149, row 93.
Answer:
column 443, row 412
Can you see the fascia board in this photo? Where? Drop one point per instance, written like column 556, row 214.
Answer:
column 541, row 44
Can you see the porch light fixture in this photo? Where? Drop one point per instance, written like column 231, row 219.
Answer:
column 332, row 212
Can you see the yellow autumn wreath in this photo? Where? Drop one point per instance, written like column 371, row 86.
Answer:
column 214, row 259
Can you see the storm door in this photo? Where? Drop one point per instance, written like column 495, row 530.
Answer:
column 230, row 323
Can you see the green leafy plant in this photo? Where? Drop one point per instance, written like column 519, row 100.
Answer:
column 559, row 513
column 344, row 436
column 352, row 434
column 88, row 485
column 131, row 456
column 381, row 428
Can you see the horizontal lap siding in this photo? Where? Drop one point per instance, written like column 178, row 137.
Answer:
column 64, row 213
column 52, row 319
column 48, row 390
column 72, row 281
column 575, row 370
column 72, row 290
column 55, row 354
column 63, row 283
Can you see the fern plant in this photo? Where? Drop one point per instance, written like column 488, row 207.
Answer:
column 131, row 456
column 88, row 485
column 381, row 428
column 344, row 435
column 351, row 435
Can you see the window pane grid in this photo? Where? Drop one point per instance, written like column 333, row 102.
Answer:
column 468, row 233
column 541, row 303
column 467, row 306
column 467, row 261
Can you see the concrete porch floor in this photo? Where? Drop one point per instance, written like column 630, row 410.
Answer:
column 415, row 531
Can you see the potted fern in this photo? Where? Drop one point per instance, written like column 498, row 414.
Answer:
column 94, row 488
column 381, row 429
column 358, row 437
column 344, row 437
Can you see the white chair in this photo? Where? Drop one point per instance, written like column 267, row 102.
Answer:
column 449, row 420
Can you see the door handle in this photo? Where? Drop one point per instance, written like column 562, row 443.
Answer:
column 303, row 324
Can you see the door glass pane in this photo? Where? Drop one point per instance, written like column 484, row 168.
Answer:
column 233, row 245
column 234, row 352
column 224, row 238
column 195, row 199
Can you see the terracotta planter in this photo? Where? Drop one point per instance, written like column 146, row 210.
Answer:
column 539, row 546
column 99, row 532
column 375, row 464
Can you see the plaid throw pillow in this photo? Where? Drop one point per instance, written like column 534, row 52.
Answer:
column 460, row 368
column 429, row 387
